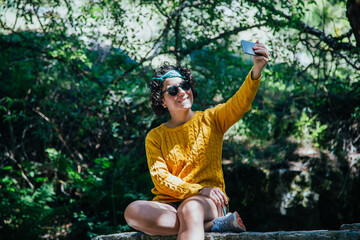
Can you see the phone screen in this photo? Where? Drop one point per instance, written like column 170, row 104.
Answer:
column 247, row 47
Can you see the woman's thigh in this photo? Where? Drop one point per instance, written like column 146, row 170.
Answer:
column 200, row 206
column 152, row 217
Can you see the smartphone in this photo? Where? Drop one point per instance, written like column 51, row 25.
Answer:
column 247, row 47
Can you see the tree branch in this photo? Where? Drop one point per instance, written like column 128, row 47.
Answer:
column 329, row 40
column 157, row 44
column 353, row 15
column 207, row 41
column 177, row 39
column 10, row 154
column 43, row 116
column 333, row 42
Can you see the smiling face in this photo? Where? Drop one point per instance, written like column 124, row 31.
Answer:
column 182, row 101
column 159, row 83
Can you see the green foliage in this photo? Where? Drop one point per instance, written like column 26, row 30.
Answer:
column 309, row 129
column 25, row 208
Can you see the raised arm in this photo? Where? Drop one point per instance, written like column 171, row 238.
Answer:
column 232, row 111
column 227, row 114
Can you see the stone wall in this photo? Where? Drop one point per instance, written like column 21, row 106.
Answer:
column 346, row 232
column 283, row 199
column 293, row 235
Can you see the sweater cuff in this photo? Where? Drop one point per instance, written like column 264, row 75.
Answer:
column 195, row 189
column 249, row 75
column 253, row 83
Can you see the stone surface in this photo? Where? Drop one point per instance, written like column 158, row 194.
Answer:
column 353, row 226
column 293, row 235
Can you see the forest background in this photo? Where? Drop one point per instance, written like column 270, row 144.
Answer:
column 74, row 107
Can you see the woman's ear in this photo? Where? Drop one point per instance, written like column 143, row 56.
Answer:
column 162, row 102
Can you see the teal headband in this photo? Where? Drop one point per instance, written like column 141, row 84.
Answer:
column 170, row 74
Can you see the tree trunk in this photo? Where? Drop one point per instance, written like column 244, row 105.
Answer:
column 353, row 14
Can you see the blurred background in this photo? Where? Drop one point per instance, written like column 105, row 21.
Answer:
column 74, row 109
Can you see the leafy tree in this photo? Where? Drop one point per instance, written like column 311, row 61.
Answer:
column 75, row 113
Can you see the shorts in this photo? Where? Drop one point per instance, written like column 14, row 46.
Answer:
column 174, row 204
column 222, row 212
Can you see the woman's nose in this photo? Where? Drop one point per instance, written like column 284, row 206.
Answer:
column 181, row 91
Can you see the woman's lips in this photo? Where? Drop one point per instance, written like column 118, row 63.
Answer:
column 183, row 99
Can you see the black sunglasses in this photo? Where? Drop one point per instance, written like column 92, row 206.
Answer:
column 174, row 90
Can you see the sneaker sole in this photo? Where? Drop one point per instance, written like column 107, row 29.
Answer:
column 240, row 222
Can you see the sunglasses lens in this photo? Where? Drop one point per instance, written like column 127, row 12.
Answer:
column 185, row 85
column 173, row 91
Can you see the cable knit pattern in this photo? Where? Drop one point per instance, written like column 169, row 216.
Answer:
column 185, row 159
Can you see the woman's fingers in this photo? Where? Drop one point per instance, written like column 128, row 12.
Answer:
column 220, row 197
column 224, row 198
column 216, row 195
column 260, row 60
column 261, row 49
column 216, row 200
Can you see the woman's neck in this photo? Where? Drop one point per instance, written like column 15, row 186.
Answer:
column 179, row 118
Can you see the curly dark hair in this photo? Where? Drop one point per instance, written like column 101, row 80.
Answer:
column 156, row 86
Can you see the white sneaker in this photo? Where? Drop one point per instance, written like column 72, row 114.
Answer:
column 231, row 222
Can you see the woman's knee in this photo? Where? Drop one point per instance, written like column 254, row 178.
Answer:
column 191, row 209
column 198, row 208
column 132, row 212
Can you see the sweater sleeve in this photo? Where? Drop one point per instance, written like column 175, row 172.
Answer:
column 227, row 114
column 166, row 183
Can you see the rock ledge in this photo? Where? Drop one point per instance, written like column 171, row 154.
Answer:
column 353, row 234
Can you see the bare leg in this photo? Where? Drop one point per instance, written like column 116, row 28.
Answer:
column 208, row 225
column 195, row 215
column 152, row 218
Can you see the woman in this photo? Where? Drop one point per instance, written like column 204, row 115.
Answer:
column 184, row 157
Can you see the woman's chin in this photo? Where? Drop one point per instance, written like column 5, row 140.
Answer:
column 186, row 106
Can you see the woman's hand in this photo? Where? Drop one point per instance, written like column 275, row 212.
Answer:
column 215, row 194
column 259, row 61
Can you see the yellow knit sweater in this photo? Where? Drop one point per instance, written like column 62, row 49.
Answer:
column 185, row 159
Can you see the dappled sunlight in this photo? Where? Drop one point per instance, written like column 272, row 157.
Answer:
column 75, row 109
